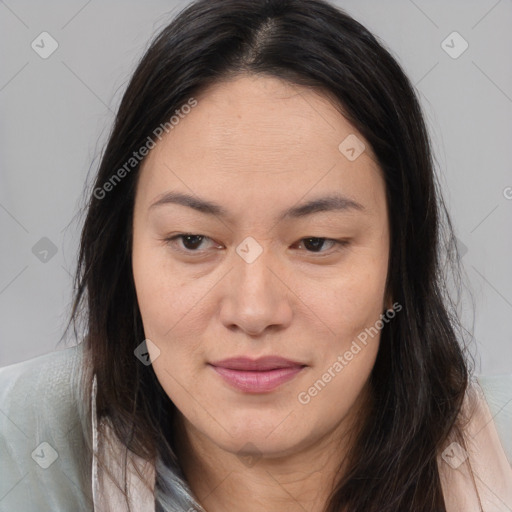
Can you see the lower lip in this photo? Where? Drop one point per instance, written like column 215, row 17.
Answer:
column 257, row 381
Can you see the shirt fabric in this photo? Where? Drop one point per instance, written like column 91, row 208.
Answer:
column 45, row 436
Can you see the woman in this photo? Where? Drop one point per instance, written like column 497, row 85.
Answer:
column 260, row 282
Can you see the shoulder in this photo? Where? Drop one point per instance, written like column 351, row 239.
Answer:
column 43, row 434
column 27, row 372
column 475, row 471
column 44, row 388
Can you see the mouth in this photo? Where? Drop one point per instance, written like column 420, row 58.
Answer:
column 257, row 375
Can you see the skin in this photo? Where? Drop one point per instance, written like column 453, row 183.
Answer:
column 256, row 146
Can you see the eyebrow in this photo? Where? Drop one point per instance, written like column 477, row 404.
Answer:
column 322, row 204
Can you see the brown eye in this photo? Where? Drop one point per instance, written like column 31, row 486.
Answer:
column 315, row 244
column 190, row 242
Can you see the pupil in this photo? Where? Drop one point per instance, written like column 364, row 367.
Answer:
column 191, row 245
column 316, row 245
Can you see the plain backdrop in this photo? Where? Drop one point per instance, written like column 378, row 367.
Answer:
column 56, row 113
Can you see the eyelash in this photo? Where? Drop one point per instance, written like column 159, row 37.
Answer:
column 172, row 239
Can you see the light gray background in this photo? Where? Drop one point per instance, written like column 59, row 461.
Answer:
column 56, row 114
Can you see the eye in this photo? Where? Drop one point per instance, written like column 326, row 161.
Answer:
column 190, row 242
column 315, row 244
column 194, row 243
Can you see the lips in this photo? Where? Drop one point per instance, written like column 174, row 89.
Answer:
column 260, row 375
column 260, row 364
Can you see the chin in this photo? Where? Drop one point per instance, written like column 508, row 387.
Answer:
column 258, row 445
column 270, row 436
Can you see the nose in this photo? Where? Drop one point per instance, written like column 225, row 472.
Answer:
column 255, row 297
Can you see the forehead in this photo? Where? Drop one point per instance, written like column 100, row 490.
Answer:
column 254, row 136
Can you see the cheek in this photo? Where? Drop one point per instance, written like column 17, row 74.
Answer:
column 331, row 396
column 351, row 300
column 167, row 307
column 350, row 309
column 175, row 313
column 166, row 300
column 346, row 351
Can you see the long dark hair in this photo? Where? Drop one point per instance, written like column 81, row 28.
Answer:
column 421, row 373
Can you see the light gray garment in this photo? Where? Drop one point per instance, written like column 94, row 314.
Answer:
column 39, row 404
column 46, row 443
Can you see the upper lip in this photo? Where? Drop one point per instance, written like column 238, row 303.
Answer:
column 259, row 364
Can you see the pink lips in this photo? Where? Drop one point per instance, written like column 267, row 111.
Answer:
column 257, row 375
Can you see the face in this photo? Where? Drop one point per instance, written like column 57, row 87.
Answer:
column 260, row 255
